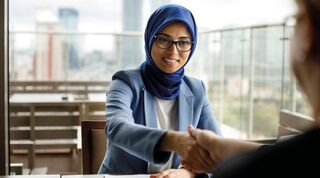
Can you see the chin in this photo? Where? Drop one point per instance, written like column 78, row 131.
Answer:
column 168, row 70
column 171, row 71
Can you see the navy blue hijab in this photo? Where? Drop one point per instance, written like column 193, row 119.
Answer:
column 163, row 85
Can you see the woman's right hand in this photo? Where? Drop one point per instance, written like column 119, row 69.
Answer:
column 188, row 149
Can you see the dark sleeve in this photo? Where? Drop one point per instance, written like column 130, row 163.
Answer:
column 247, row 165
column 295, row 157
column 263, row 147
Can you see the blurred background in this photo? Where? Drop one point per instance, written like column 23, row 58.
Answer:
column 242, row 54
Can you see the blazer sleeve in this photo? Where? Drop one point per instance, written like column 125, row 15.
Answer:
column 121, row 129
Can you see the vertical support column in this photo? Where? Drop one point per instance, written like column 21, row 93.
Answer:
column 222, row 65
column 251, row 85
column 32, row 149
column 4, row 138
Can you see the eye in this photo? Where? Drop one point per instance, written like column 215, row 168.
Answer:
column 184, row 43
column 162, row 39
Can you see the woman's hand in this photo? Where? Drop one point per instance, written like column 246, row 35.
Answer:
column 188, row 149
column 207, row 140
column 174, row 173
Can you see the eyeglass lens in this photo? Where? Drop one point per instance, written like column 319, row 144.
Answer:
column 165, row 42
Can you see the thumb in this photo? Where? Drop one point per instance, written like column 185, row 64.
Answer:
column 192, row 131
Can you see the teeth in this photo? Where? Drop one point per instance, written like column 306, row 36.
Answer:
column 170, row 60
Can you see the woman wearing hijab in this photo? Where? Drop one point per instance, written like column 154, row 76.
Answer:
column 148, row 109
column 298, row 156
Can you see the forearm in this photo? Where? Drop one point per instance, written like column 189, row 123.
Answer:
column 230, row 147
column 143, row 139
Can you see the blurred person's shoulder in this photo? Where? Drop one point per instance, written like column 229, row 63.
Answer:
column 294, row 157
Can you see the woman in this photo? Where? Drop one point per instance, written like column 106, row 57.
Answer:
column 298, row 156
column 147, row 107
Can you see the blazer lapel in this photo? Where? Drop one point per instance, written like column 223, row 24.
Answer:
column 185, row 107
column 185, row 114
column 150, row 110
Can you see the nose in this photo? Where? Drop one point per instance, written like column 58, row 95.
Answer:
column 174, row 47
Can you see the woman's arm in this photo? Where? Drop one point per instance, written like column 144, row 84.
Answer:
column 121, row 129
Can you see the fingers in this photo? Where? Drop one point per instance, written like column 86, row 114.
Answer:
column 195, row 134
column 202, row 137
column 199, row 158
column 191, row 168
column 162, row 174
column 206, row 158
column 197, row 155
column 205, row 161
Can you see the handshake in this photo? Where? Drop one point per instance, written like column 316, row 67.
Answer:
column 203, row 150
column 203, row 153
column 200, row 149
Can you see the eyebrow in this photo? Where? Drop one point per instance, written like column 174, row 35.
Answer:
column 180, row 38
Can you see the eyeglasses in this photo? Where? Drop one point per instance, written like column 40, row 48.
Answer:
column 165, row 42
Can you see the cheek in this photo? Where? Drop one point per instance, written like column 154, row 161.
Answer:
column 297, row 58
column 299, row 53
column 300, row 42
column 298, row 46
column 154, row 53
column 185, row 57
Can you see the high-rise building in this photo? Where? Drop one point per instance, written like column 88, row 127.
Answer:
column 49, row 63
column 154, row 4
column 69, row 18
column 132, row 46
column 132, row 49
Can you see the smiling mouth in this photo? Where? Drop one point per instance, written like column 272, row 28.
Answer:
column 170, row 61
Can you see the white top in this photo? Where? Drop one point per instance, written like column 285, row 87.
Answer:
column 167, row 120
column 166, row 114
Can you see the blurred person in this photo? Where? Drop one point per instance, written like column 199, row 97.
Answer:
column 148, row 109
column 297, row 156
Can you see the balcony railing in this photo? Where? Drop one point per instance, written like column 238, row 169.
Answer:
column 246, row 70
column 80, row 89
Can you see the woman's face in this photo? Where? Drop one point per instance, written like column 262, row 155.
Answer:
column 171, row 59
column 304, row 65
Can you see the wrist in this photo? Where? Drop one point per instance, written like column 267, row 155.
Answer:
column 166, row 143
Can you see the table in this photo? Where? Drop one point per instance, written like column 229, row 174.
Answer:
column 32, row 176
column 106, row 176
column 78, row 176
column 83, row 176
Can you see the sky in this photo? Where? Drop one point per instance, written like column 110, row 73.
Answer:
column 105, row 15
column 234, row 13
column 94, row 15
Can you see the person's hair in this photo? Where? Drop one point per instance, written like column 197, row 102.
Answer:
column 312, row 10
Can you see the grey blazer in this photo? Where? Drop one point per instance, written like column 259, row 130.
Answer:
column 131, row 126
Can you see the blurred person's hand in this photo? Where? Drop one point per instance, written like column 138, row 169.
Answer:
column 207, row 140
column 217, row 147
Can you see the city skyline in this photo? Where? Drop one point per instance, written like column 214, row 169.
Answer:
column 106, row 16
